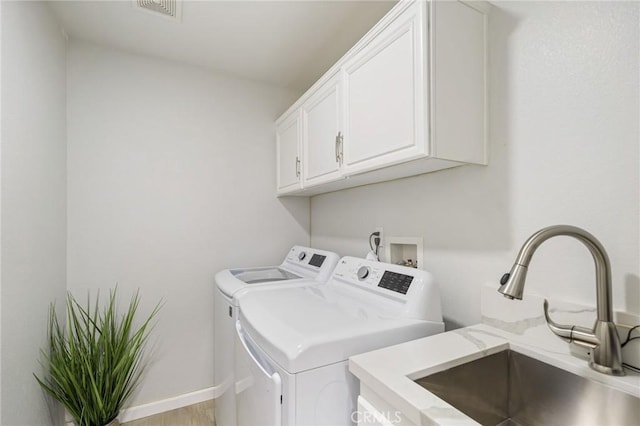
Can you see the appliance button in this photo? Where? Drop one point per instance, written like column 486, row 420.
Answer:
column 363, row 272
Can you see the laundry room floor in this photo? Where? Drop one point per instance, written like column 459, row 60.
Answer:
column 194, row 415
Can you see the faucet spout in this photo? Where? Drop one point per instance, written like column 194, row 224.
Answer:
column 606, row 353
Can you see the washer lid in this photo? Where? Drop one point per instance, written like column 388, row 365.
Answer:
column 308, row 327
column 300, row 263
column 230, row 281
column 261, row 275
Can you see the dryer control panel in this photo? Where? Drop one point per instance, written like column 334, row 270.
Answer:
column 408, row 292
column 395, row 282
column 390, row 280
column 395, row 278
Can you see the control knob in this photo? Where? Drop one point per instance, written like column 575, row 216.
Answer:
column 363, row 272
column 302, row 255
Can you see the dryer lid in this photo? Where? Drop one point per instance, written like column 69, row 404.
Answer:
column 308, row 327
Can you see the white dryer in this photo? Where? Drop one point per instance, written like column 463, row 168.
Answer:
column 294, row 344
column 301, row 266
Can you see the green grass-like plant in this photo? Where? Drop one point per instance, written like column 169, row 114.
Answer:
column 94, row 362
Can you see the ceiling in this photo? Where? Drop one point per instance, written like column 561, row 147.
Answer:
column 285, row 43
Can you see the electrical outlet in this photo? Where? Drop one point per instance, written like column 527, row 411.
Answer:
column 381, row 231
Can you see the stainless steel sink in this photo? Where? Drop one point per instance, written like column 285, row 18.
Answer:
column 509, row 388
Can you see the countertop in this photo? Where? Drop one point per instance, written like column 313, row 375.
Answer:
column 389, row 372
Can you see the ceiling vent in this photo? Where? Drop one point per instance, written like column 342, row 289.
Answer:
column 168, row 8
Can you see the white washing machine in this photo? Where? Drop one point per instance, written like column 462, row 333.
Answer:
column 293, row 344
column 301, row 266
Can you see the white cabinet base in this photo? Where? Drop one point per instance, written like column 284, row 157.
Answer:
column 368, row 415
column 374, row 410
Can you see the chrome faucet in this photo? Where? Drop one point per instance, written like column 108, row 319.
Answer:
column 603, row 339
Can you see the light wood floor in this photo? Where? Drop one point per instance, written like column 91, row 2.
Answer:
column 194, row 415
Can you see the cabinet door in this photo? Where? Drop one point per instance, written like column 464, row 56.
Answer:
column 384, row 98
column 368, row 415
column 321, row 123
column 288, row 146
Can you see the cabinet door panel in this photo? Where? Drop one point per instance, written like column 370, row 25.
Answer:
column 368, row 415
column 384, row 98
column 287, row 141
column 321, row 124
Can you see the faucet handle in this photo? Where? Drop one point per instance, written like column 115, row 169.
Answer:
column 571, row 333
column 562, row 331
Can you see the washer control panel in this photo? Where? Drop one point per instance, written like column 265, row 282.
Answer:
column 306, row 256
column 317, row 260
column 310, row 262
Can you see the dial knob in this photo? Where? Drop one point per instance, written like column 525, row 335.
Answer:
column 302, row 255
column 363, row 272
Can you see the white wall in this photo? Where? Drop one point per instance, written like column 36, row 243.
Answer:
column 33, row 200
column 564, row 139
column 171, row 178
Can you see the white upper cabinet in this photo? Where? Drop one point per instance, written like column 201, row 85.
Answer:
column 384, row 110
column 459, row 81
column 408, row 98
column 288, row 131
column 322, row 133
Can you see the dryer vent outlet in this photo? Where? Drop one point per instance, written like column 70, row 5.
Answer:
column 167, row 8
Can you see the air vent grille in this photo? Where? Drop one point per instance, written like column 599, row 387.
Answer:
column 167, row 8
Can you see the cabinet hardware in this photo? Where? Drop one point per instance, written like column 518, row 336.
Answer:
column 339, row 148
column 297, row 167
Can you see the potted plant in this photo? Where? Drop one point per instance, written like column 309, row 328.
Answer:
column 95, row 361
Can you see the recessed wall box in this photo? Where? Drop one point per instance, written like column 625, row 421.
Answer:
column 404, row 251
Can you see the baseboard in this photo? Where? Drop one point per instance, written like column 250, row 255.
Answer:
column 157, row 407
